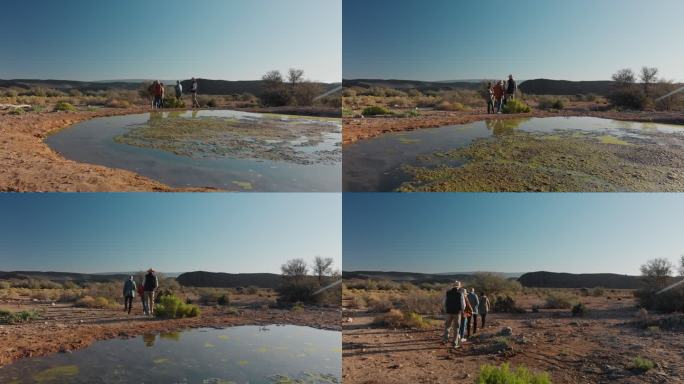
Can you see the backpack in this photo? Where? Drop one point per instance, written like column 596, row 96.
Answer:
column 453, row 301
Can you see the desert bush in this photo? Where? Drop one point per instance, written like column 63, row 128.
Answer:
column 172, row 102
column 64, row 106
column 395, row 318
column 171, row 307
column 223, row 300
column 212, row 103
column 450, row 106
column 560, row 300
column 428, row 303
column 550, row 103
column 116, row 103
column 490, row 374
column 579, row 309
column 668, row 301
column 7, row 317
column 598, row 291
column 516, row 106
column 506, row 304
column 17, row 111
column 359, row 302
column 91, row 302
column 494, row 284
column 379, row 303
column 629, row 98
column 641, row 364
column 375, row 110
column 275, row 98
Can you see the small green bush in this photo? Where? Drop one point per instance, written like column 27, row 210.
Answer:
column 171, row 307
column 490, row 374
column 413, row 113
column 223, row 300
column 516, row 106
column 579, row 309
column 7, row 317
column 375, row 110
column 549, row 103
column 64, row 106
column 172, row 102
column 641, row 364
column 395, row 318
column 560, row 300
column 17, row 111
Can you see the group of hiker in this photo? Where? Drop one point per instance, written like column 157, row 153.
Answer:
column 158, row 92
column 498, row 94
column 148, row 285
column 462, row 310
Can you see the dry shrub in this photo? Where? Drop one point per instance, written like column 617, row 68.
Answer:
column 561, row 300
column 395, row 318
column 429, row 303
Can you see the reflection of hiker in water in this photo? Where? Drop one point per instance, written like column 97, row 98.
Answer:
column 467, row 313
column 150, row 283
column 194, row 88
column 179, row 90
column 489, row 97
column 148, row 339
column 484, row 308
column 128, row 294
column 498, row 91
column 475, row 303
column 454, row 304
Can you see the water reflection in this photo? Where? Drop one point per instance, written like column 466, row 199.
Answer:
column 501, row 127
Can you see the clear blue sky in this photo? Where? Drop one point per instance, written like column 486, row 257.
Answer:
column 119, row 232
column 450, row 40
column 169, row 39
column 505, row 232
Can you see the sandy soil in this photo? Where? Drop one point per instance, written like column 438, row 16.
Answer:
column 597, row 348
column 29, row 165
column 63, row 328
column 364, row 128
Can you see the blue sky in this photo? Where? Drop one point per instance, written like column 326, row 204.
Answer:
column 462, row 232
column 119, row 232
column 169, row 39
column 450, row 40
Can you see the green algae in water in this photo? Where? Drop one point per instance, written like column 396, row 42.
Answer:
column 305, row 378
column 56, row 374
column 223, row 337
column 242, row 362
column 209, row 345
column 608, row 139
column 161, row 360
column 246, row 185
column 405, row 140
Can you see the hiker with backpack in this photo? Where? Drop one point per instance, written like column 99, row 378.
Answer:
column 511, row 88
column 475, row 303
column 454, row 304
column 194, row 88
column 128, row 294
column 498, row 96
column 484, row 308
column 489, row 97
column 158, row 94
column 141, row 293
column 150, row 284
column 179, row 90
column 467, row 314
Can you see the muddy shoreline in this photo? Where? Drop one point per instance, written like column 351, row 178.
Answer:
column 65, row 328
column 30, row 165
column 356, row 129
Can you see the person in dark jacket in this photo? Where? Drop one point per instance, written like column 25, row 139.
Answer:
column 150, row 284
column 128, row 294
column 484, row 308
column 511, row 88
column 179, row 90
column 475, row 303
column 454, row 304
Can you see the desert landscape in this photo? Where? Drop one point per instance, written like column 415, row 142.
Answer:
column 546, row 145
column 590, row 334
column 35, row 113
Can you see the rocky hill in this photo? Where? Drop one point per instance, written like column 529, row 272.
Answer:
column 582, row 280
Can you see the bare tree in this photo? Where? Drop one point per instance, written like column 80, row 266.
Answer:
column 657, row 272
column 624, row 78
column 273, row 79
column 294, row 77
column 681, row 266
column 295, row 269
column 648, row 77
column 322, row 267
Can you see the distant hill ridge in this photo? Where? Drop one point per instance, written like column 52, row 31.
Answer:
column 206, row 86
column 539, row 279
column 544, row 279
column 62, row 276
column 229, row 280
